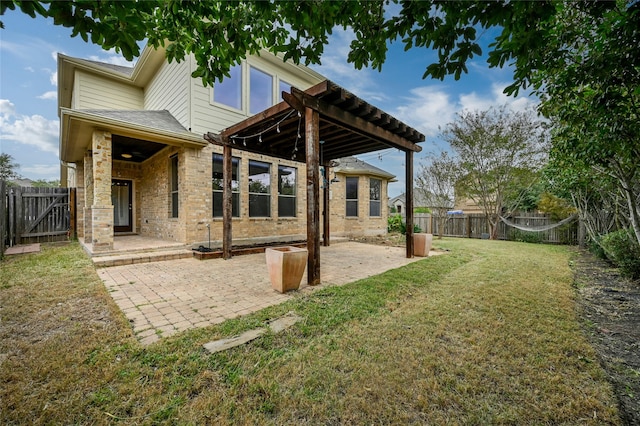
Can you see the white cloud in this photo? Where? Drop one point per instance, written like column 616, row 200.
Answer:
column 112, row 58
column 430, row 108
column 474, row 102
column 427, row 109
column 30, row 69
column 336, row 68
column 49, row 95
column 7, row 109
column 50, row 171
column 53, row 78
column 34, row 130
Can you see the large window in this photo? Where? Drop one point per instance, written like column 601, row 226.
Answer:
column 259, row 189
column 229, row 90
column 260, row 89
column 352, row 196
column 375, row 187
column 284, row 87
column 173, row 185
column 286, row 191
column 217, row 186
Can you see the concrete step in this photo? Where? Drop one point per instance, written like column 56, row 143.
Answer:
column 131, row 258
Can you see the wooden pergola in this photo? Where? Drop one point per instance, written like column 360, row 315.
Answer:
column 293, row 129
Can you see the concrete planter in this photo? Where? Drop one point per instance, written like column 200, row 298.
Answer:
column 286, row 266
column 422, row 244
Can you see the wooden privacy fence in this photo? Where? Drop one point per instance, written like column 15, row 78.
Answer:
column 476, row 226
column 30, row 215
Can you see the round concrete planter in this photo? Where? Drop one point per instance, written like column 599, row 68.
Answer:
column 286, row 266
column 422, row 244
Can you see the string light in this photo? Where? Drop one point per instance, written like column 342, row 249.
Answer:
column 259, row 134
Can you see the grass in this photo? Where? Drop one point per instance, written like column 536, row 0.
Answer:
column 486, row 334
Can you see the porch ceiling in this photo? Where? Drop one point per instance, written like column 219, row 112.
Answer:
column 348, row 126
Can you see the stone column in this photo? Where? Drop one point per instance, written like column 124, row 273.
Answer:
column 88, row 196
column 102, row 208
column 80, row 200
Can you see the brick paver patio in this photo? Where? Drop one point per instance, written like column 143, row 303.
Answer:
column 163, row 298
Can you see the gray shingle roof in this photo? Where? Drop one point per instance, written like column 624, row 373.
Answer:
column 161, row 120
column 353, row 165
column 119, row 68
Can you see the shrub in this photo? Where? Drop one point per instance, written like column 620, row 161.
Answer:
column 623, row 250
column 394, row 223
column 526, row 236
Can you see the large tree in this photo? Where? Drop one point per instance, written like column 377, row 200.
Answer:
column 497, row 153
column 8, row 167
column 220, row 34
column 435, row 182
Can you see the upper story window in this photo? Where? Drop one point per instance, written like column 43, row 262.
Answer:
column 217, row 186
column 259, row 189
column 375, row 189
column 286, row 191
column 260, row 90
column 352, row 196
column 283, row 86
column 229, row 91
column 249, row 89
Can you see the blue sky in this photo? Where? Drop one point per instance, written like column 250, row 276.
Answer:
column 29, row 124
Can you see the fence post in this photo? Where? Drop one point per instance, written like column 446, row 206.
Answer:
column 4, row 216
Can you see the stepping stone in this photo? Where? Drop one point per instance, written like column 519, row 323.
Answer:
column 276, row 326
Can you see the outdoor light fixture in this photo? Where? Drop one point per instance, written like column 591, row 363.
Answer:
column 126, row 155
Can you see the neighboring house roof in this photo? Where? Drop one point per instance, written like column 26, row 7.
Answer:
column 22, row 182
column 419, row 199
column 354, row 166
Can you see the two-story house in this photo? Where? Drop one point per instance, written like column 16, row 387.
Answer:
column 131, row 143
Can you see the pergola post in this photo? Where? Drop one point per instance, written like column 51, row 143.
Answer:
column 312, row 144
column 326, row 238
column 227, row 201
column 409, row 201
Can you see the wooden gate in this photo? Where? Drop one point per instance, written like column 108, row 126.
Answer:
column 38, row 215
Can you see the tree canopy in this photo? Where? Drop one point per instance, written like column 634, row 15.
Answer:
column 8, row 167
column 220, row 34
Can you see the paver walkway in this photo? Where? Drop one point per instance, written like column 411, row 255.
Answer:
column 162, row 298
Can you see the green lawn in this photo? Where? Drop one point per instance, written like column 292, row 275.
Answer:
column 486, row 334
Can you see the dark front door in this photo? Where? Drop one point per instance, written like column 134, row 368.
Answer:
column 122, row 209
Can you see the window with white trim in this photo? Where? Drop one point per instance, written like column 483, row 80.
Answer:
column 260, row 90
column 375, row 188
column 217, row 185
column 259, row 189
column 283, row 86
column 286, row 191
column 229, row 91
column 352, row 196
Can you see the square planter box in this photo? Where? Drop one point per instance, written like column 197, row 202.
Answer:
column 286, row 266
column 422, row 244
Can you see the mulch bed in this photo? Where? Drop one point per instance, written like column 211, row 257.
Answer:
column 609, row 306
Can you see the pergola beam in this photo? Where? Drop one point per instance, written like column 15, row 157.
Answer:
column 354, row 123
